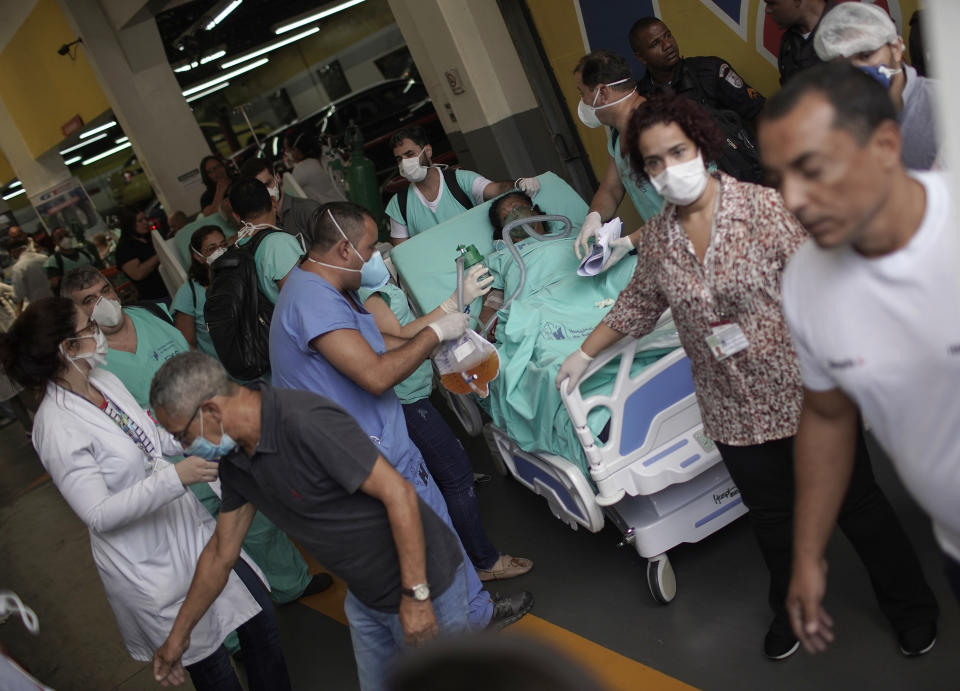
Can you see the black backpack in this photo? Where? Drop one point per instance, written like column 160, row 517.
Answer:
column 450, row 178
column 238, row 314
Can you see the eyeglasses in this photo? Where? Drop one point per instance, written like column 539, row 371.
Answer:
column 179, row 435
column 91, row 329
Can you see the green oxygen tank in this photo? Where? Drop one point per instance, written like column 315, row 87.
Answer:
column 360, row 178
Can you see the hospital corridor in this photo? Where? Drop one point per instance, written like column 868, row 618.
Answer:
column 509, row 345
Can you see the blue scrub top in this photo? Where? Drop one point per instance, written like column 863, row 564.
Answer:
column 308, row 307
column 646, row 200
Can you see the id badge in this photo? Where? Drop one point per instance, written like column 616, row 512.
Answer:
column 726, row 339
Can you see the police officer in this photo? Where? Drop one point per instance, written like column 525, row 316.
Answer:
column 709, row 81
column 800, row 19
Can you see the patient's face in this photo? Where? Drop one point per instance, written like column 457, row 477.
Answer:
column 513, row 207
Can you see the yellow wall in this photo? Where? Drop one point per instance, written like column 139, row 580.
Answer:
column 698, row 31
column 6, row 170
column 42, row 89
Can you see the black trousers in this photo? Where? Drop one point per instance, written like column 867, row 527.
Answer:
column 764, row 475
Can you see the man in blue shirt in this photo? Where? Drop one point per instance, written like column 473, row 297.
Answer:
column 324, row 341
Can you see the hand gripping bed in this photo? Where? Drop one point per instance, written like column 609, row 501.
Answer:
column 656, row 476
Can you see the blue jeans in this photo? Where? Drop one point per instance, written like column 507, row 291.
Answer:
column 260, row 642
column 448, row 463
column 378, row 636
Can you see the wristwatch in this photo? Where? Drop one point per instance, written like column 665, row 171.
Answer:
column 420, row 592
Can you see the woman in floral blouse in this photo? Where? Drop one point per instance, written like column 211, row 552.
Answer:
column 715, row 255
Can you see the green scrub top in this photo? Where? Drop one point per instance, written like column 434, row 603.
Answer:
column 420, row 217
column 418, row 385
column 157, row 342
column 646, row 199
column 184, row 301
column 52, row 267
column 275, row 257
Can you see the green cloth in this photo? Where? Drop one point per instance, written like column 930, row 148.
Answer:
column 418, row 385
column 191, row 303
column 277, row 254
column 52, row 267
column 157, row 342
column 555, row 312
column 270, row 548
column 646, row 199
column 419, row 216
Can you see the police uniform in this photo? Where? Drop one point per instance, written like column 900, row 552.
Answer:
column 715, row 85
column 712, row 82
column 796, row 50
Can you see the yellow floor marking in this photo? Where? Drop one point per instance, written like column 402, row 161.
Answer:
column 616, row 671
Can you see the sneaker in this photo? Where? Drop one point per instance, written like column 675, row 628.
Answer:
column 509, row 609
column 779, row 646
column 918, row 640
column 505, row 567
column 317, row 584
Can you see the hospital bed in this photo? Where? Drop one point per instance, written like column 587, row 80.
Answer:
column 654, row 475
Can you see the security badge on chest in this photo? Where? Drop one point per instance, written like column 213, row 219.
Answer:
column 726, row 339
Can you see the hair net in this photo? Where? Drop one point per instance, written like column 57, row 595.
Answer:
column 851, row 28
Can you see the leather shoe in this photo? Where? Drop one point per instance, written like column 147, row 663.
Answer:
column 918, row 640
column 505, row 567
column 509, row 609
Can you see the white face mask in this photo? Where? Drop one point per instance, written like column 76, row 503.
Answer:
column 95, row 357
column 682, row 183
column 410, row 168
column 68, row 243
column 588, row 114
column 248, row 229
column 215, row 255
column 107, row 312
column 274, row 191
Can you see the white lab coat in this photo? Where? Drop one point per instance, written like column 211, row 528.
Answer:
column 146, row 529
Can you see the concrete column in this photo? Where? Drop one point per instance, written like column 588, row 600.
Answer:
column 36, row 174
column 478, row 85
column 131, row 66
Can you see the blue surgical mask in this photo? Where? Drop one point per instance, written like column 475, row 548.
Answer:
column 882, row 74
column 374, row 272
column 204, row 448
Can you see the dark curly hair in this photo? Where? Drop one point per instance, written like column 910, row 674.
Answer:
column 664, row 109
column 199, row 269
column 30, row 350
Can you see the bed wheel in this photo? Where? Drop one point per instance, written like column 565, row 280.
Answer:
column 661, row 580
column 466, row 411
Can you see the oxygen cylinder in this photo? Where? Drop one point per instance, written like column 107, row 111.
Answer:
column 360, row 176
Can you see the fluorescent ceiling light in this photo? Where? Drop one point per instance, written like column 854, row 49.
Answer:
column 71, row 161
column 101, row 128
column 223, row 14
column 81, row 144
column 224, row 85
column 267, row 49
column 185, row 68
column 213, row 56
column 316, row 16
column 13, row 194
column 14, row 184
column 108, row 152
column 224, row 77
column 121, row 140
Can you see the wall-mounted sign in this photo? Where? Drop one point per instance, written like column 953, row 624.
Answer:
column 67, row 205
column 454, row 81
column 71, row 125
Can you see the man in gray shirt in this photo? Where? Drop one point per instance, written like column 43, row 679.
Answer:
column 27, row 276
column 307, row 465
column 293, row 213
column 867, row 36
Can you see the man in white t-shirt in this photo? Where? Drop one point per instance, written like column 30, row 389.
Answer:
column 436, row 194
column 872, row 305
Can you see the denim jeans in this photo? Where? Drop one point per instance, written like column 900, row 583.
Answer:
column 378, row 636
column 260, row 643
column 448, row 463
column 764, row 475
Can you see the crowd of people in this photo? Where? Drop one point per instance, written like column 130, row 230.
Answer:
column 811, row 306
